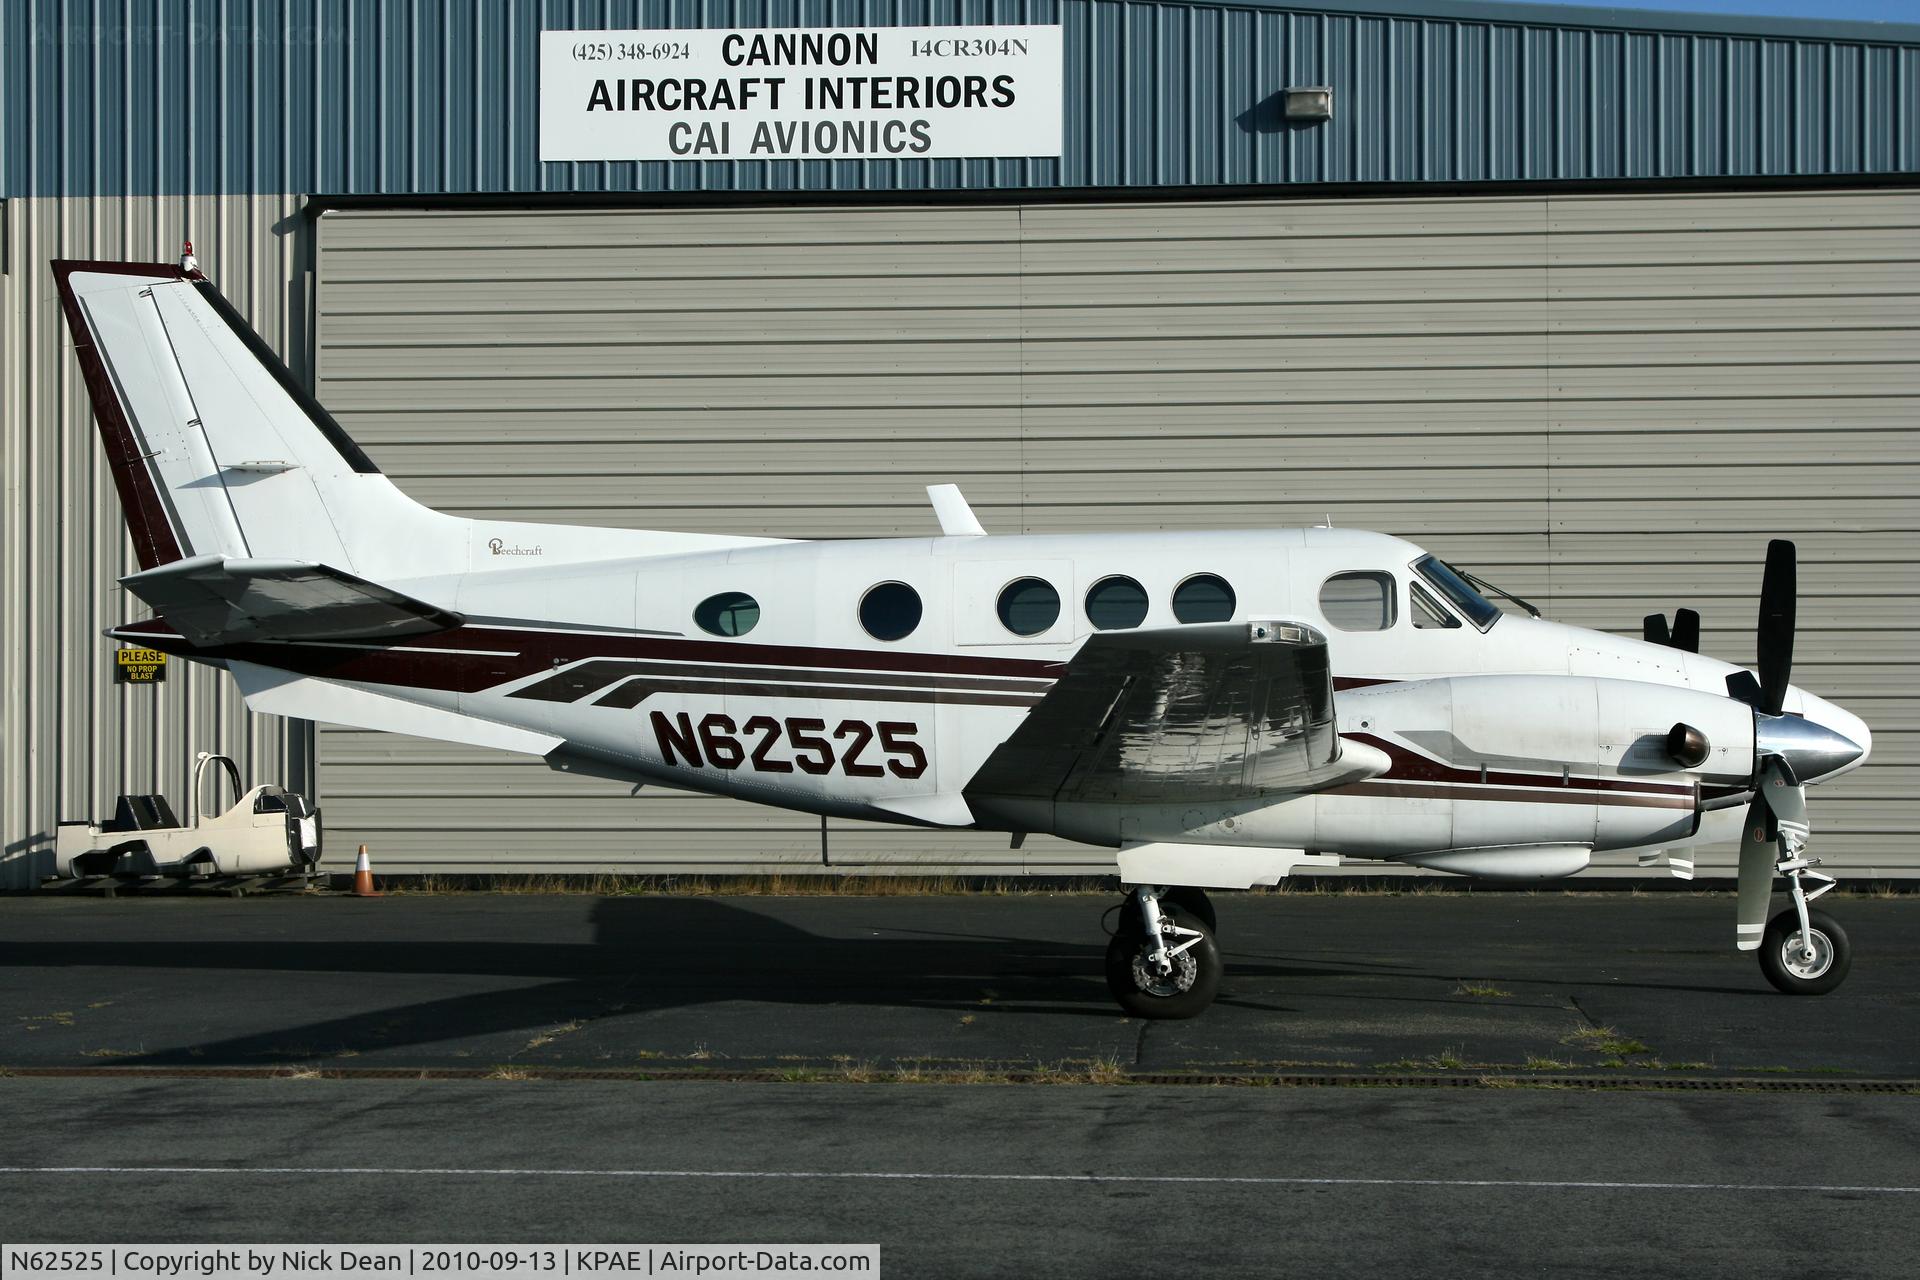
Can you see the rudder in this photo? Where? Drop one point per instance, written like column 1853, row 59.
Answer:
column 215, row 447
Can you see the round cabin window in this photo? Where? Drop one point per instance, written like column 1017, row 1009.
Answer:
column 1116, row 603
column 1029, row 606
column 1204, row 597
column 731, row 613
column 890, row 611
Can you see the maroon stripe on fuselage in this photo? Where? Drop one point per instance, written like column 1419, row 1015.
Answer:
column 574, row 645
column 1410, row 766
column 449, row 660
column 570, row 684
column 637, row 690
column 154, row 540
column 1546, row 793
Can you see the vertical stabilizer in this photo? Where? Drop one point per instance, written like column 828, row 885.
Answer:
column 216, row 448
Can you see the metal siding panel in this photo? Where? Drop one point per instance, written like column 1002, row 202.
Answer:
column 413, row 96
column 1637, row 339
column 80, row 739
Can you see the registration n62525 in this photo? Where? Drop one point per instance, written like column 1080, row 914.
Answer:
column 766, row 744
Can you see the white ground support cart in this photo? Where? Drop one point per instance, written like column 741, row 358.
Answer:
column 269, row 831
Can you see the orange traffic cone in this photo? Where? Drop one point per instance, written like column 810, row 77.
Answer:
column 363, row 876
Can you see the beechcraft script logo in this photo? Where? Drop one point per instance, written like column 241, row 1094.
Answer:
column 499, row 548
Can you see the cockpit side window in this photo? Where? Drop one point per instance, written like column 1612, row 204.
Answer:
column 1358, row 601
column 1429, row 614
column 1457, row 591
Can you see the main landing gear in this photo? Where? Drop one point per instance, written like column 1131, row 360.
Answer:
column 1804, row 952
column 1161, row 961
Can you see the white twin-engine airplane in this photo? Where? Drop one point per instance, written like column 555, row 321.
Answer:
column 1217, row 708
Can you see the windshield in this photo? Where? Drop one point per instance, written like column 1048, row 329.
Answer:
column 1479, row 610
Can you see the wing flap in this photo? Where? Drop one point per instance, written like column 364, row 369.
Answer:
column 1220, row 711
column 216, row 599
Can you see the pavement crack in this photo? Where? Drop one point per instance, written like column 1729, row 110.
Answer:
column 1140, row 1042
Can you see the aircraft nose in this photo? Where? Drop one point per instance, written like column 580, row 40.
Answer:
column 1826, row 741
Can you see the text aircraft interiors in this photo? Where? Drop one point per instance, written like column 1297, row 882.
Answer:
column 1216, row 708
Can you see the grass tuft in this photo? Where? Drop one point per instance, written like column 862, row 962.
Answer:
column 1605, row 1041
column 1485, row 989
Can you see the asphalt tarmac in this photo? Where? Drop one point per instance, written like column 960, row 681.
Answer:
column 1644, row 986
column 1805, row 1165
column 955, row 1180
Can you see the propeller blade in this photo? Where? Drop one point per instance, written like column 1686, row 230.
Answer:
column 1757, row 859
column 1782, row 792
column 1686, row 630
column 1778, row 589
column 1744, row 686
column 1653, row 628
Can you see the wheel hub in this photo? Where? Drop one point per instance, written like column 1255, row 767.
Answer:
column 1150, row 980
column 1794, row 955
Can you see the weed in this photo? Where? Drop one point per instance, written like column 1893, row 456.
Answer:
column 1486, row 989
column 1105, row 1070
column 1606, row 1042
column 112, row 1053
column 505, row 1072
column 553, row 1033
column 1535, row 1062
column 966, row 1019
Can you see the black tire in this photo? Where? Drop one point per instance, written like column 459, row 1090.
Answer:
column 1190, row 904
column 1788, row 971
column 1195, row 982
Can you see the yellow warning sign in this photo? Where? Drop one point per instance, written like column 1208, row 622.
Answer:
column 139, row 666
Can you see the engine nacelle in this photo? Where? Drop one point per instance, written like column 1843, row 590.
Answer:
column 1527, row 761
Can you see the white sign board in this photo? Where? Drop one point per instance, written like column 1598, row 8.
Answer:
column 905, row 93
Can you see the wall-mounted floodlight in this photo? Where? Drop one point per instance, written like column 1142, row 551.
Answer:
column 1309, row 102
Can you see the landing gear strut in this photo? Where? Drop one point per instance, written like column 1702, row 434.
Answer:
column 1161, row 961
column 1804, row 952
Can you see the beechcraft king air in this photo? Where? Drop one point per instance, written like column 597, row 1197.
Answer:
column 1216, row 708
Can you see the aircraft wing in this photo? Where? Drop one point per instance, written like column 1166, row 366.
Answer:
column 1221, row 711
column 217, row 599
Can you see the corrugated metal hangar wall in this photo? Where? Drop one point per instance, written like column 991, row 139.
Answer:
column 1604, row 403
column 1608, row 394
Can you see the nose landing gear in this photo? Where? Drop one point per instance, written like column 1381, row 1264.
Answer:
column 1161, row 960
column 1804, row 952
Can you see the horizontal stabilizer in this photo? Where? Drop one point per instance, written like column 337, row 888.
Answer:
column 217, row 599
column 283, row 693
